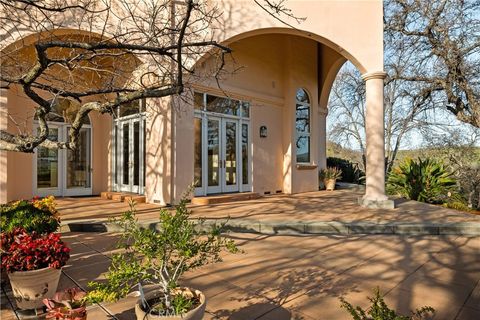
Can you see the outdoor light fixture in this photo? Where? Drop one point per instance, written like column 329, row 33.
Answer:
column 263, row 131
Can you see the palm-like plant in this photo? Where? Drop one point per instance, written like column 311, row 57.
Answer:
column 425, row 180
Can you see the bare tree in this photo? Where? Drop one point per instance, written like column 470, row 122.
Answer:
column 132, row 50
column 155, row 39
column 458, row 150
column 443, row 39
column 404, row 113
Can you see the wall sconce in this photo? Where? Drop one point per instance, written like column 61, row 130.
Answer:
column 263, row 131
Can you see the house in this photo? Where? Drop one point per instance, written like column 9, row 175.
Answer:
column 261, row 129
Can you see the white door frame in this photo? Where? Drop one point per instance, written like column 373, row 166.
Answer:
column 205, row 189
column 217, row 188
column 119, row 170
column 61, row 190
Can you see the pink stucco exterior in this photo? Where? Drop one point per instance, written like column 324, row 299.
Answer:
column 276, row 61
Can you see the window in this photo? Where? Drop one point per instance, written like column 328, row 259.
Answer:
column 302, row 126
column 221, row 105
column 131, row 108
column 64, row 110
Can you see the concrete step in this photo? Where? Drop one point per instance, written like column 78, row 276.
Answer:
column 123, row 196
column 222, row 198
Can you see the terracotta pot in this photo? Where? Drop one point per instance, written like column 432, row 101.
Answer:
column 195, row 314
column 330, row 184
column 31, row 287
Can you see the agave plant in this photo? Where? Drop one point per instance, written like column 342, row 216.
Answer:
column 425, row 180
column 330, row 173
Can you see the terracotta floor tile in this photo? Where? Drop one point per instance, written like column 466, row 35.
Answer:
column 474, row 299
column 237, row 304
column 468, row 314
column 415, row 293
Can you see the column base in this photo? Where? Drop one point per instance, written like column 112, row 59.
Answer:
column 376, row 204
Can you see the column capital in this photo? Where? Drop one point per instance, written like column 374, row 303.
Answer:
column 374, row 75
column 323, row 111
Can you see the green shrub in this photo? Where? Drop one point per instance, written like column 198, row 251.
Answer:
column 160, row 257
column 350, row 171
column 457, row 205
column 37, row 215
column 380, row 311
column 423, row 180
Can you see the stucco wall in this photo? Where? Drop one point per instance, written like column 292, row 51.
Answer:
column 267, row 155
column 158, row 153
column 19, row 165
column 101, row 129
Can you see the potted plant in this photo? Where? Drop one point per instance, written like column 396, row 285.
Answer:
column 329, row 177
column 38, row 214
column 160, row 257
column 69, row 304
column 33, row 262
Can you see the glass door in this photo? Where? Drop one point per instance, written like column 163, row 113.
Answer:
column 129, row 155
column 230, row 155
column 48, row 164
column 78, row 165
column 64, row 172
column 214, row 161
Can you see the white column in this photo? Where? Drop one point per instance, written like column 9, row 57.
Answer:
column 322, row 137
column 375, row 196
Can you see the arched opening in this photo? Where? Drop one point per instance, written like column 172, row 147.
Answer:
column 65, row 172
column 285, row 76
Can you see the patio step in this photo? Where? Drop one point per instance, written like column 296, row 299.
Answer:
column 222, row 198
column 122, row 196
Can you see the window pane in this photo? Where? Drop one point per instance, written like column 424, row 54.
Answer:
column 197, row 152
column 231, row 153
column 117, row 154
column 78, row 162
column 302, row 96
column 126, row 153
column 130, row 108
column 136, row 153
column 223, row 105
column 213, row 136
column 47, row 163
column 198, row 101
column 64, row 110
column 303, row 149
column 245, row 109
column 144, row 155
column 302, row 120
column 245, row 174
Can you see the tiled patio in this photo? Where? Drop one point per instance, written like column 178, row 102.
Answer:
column 339, row 205
column 302, row 277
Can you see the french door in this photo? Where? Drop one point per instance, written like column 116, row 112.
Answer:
column 223, row 146
column 129, row 139
column 64, row 172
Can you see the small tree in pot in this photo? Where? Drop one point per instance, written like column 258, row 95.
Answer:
column 160, row 257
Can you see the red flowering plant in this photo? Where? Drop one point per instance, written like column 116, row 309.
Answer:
column 67, row 305
column 23, row 251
